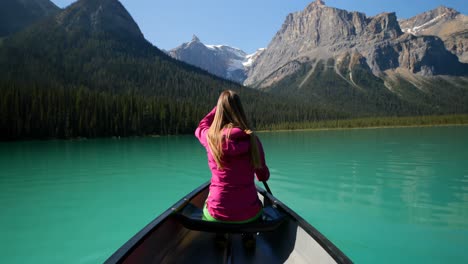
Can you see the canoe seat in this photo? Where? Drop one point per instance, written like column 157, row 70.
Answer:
column 191, row 217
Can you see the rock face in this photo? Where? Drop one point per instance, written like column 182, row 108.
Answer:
column 320, row 33
column 18, row 14
column 361, row 65
column 100, row 16
column 445, row 23
column 221, row 60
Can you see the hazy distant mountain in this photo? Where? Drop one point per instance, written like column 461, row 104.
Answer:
column 18, row 14
column 360, row 64
column 224, row 61
column 446, row 23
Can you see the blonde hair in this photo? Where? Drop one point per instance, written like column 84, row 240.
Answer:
column 230, row 114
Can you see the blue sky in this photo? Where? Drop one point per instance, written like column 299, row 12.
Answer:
column 245, row 24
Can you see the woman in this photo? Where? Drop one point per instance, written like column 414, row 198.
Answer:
column 235, row 155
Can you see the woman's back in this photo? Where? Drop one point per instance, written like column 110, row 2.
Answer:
column 233, row 196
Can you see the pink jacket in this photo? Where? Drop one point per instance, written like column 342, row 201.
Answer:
column 233, row 196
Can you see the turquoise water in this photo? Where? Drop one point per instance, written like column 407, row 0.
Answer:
column 395, row 195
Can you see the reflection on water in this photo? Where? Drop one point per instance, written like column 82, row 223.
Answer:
column 371, row 192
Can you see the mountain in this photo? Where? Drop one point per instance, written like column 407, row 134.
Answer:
column 361, row 65
column 77, row 44
column 18, row 14
column 88, row 71
column 221, row 60
column 446, row 23
column 99, row 17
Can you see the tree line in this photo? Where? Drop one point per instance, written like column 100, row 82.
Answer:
column 29, row 112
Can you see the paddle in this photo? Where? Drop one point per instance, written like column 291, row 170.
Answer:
column 267, row 187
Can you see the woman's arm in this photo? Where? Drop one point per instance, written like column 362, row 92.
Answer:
column 263, row 173
column 203, row 127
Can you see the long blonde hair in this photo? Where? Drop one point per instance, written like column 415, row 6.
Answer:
column 230, row 114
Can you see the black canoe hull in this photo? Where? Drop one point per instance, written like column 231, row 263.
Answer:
column 166, row 240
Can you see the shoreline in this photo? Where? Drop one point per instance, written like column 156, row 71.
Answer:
column 318, row 128
column 354, row 128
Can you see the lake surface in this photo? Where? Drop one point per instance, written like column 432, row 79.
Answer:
column 395, row 195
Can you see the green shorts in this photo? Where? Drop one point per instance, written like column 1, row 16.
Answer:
column 208, row 217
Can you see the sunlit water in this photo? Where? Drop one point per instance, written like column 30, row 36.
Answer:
column 395, row 195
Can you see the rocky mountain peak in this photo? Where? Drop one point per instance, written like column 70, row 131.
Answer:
column 384, row 26
column 442, row 10
column 317, row 3
column 100, row 16
column 195, row 38
column 322, row 31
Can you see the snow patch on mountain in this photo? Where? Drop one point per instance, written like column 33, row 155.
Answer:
column 252, row 57
column 417, row 29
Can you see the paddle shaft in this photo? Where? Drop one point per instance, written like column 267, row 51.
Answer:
column 267, row 187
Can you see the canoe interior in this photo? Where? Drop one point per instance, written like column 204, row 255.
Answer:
column 165, row 240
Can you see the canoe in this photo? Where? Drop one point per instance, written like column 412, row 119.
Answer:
column 179, row 235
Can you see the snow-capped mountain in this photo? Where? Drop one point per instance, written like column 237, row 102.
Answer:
column 221, row 60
